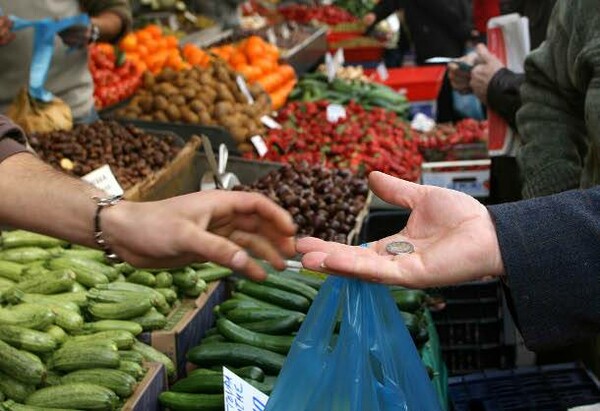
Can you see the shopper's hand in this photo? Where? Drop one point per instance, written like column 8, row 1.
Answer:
column 369, row 19
column 6, row 35
column 78, row 36
column 482, row 73
column 208, row 226
column 453, row 235
column 460, row 79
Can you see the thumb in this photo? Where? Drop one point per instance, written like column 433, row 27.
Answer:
column 483, row 53
column 395, row 190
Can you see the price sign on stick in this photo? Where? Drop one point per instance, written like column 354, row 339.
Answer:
column 259, row 144
column 104, row 179
column 241, row 82
column 241, row 396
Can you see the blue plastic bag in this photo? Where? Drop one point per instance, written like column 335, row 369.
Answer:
column 372, row 365
column 43, row 49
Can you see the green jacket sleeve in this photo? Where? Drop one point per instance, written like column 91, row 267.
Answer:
column 120, row 7
column 559, row 120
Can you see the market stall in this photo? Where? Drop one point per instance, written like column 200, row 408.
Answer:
column 301, row 108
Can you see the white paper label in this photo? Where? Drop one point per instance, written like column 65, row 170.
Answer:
column 241, row 82
column 335, row 112
column 330, row 67
column 271, row 36
column 382, row 71
column 104, row 179
column 269, row 122
column 339, row 59
column 285, row 32
column 241, row 396
column 259, row 144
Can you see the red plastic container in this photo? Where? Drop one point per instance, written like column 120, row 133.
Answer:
column 354, row 54
column 421, row 83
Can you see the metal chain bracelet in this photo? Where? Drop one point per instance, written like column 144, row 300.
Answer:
column 102, row 203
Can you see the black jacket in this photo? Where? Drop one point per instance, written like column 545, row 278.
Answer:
column 437, row 27
column 503, row 91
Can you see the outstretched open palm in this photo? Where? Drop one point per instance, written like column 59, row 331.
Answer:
column 452, row 233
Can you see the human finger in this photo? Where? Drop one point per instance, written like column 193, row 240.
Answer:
column 395, row 190
column 311, row 244
column 260, row 247
column 252, row 223
column 248, row 203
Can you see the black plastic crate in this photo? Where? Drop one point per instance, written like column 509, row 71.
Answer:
column 471, row 358
column 468, row 310
column 479, row 331
column 471, row 290
column 383, row 223
column 551, row 387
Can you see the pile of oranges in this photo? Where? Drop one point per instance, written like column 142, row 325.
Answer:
column 149, row 49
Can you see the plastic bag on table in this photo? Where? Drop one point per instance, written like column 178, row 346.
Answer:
column 372, row 365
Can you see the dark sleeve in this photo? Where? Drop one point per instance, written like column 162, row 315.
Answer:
column 503, row 95
column 119, row 7
column 551, row 252
column 11, row 137
column 386, row 7
column 447, row 15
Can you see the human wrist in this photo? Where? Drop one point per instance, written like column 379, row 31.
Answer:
column 110, row 219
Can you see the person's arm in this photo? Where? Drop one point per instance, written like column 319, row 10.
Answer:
column 215, row 225
column 550, row 251
column 562, row 78
column 504, row 96
column 113, row 17
column 12, row 138
column 459, row 27
column 381, row 11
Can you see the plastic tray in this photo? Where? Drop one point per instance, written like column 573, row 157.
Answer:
column 551, row 388
column 421, row 83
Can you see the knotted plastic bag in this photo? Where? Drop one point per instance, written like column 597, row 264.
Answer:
column 372, row 365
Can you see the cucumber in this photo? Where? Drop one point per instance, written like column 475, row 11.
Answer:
column 169, row 294
column 22, row 238
column 11, row 271
column 34, row 316
column 179, row 401
column 196, row 290
column 236, row 295
column 119, row 311
column 200, row 384
column 236, row 354
column 152, row 355
column 266, row 387
column 239, row 315
column 115, row 296
column 112, row 325
column 123, row 339
column 288, row 284
column 77, row 395
column 185, row 279
column 408, row 300
column 24, row 255
column 13, row 389
column 151, row 320
column 117, row 381
column 84, row 356
column 276, row 343
column 310, row 278
column 214, row 339
column 234, row 303
column 66, row 319
column 54, row 282
column 21, row 365
column 88, row 272
column 27, row 339
column 276, row 326
column 143, row 278
column 13, row 406
column 156, row 298
column 132, row 368
column 86, row 254
column 213, row 273
column 164, row 279
column 66, row 299
column 250, row 372
column 282, row 298
column 132, row 356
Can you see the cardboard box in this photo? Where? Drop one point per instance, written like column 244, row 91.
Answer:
column 145, row 396
column 196, row 317
column 180, row 176
column 470, row 176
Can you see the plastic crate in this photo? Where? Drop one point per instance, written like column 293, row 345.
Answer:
column 421, row 83
column 463, row 310
column 355, row 54
column 381, row 224
column 553, row 387
column 472, row 358
column 457, row 333
column 471, row 291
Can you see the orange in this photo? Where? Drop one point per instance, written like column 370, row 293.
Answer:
column 172, row 41
column 144, row 37
column 129, row 42
column 154, row 30
column 142, row 50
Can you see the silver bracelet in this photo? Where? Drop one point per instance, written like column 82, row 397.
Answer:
column 102, row 203
column 95, row 33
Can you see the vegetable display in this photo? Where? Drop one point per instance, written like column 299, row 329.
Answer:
column 368, row 140
column 330, row 15
column 131, row 153
column 323, row 203
column 441, row 143
column 315, row 87
column 115, row 78
column 208, row 96
column 356, row 7
column 258, row 61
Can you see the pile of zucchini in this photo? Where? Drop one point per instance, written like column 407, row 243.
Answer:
column 254, row 332
column 69, row 321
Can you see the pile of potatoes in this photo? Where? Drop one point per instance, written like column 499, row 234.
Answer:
column 207, row 96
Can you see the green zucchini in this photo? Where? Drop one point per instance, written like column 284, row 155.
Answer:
column 66, row 319
column 27, row 339
column 287, row 284
column 133, row 356
column 132, row 368
column 119, row 311
column 276, row 343
column 185, row 279
column 218, row 338
column 35, row 316
column 179, row 401
column 57, row 333
column 24, row 255
column 54, row 282
column 164, row 279
column 277, row 326
column 151, row 320
column 169, row 294
column 76, row 395
column 13, row 406
column 87, row 272
column 123, row 339
column 142, row 277
column 276, row 296
column 236, row 295
column 236, row 354
column 13, row 389
column 196, row 290
column 117, row 381
column 112, row 325
column 21, row 365
column 66, row 299
column 239, row 315
column 213, row 273
column 86, row 254
column 22, row 238
column 11, row 271
column 85, row 356
column 152, row 355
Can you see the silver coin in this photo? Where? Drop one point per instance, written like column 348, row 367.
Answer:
column 400, row 247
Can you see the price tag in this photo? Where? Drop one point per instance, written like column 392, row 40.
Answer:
column 173, row 23
column 285, row 32
column 259, row 144
column 269, row 122
column 382, row 71
column 104, row 179
column 335, row 112
column 339, row 59
column 241, row 82
column 241, row 396
column 271, row 36
column 330, row 67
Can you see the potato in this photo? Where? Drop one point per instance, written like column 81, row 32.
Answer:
column 178, row 100
column 146, row 117
column 173, row 112
column 167, row 89
column 205, row 118
column 160, row 115
column 148, row 79
column 245, row 147
column 161, row 103
column 238, row 134
column 189, row 93
column 146, row 104
column 197, row 106
column 189, row 116
column 206, row 79
column 223, row 109
column 167, row 74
